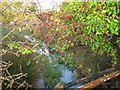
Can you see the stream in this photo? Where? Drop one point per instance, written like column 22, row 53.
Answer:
column 67, row 75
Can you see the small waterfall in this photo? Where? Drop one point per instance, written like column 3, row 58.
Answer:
column 67, row 75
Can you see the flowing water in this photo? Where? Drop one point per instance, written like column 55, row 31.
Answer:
column 67, row 75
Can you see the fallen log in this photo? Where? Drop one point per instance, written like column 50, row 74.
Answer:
column 59, row 86
column 91, row 77
column 99, row 81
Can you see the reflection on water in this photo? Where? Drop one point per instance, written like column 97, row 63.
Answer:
column 40, row 83
column 67, row 75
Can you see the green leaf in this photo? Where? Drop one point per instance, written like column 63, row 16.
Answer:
column 3, row 50
column 93, row 48
column 115, row 20
column 108, row 20
column 104, row 11
column 26, row 51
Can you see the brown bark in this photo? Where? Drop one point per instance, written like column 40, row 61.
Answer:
column 91, row 77
column 59, row 86
column 99, row 81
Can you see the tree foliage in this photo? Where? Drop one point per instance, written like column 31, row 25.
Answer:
column 93, row 24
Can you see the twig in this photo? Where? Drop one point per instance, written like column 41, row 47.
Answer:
column 8, row 34
column 4, row 78
column 20, row 76
column 6, row 8
column 11, row 83
column 110, row 38
column 23, row 85
column 99, row 63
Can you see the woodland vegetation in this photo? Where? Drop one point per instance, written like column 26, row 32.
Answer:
column 90, row 27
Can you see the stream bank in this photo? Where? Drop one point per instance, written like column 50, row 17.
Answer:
column 66, row 74
column 85, row 62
